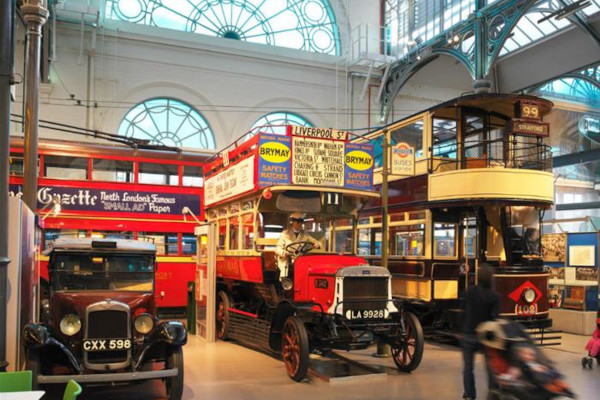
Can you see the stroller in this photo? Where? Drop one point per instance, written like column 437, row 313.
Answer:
column 593, row 348
column 518, row 369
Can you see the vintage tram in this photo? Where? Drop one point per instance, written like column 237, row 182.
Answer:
column 467, row 183
column 119, row 192
column 331, row 298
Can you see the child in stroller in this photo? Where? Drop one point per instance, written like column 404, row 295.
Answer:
column 518, row 367
column 593, row 348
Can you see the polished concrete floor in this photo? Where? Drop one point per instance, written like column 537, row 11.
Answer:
column 228, row 371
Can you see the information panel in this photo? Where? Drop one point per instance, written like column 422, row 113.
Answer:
column 359, row 166
column 274, row 159
column 318, row 162
column 235, row 179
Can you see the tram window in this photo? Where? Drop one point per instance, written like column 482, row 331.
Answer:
column 377, row 151
column 444, row 138
column 444, row 238
column 192, row 176
column 158, row 174
column 411, row 134
column 222, row 233
column 188, row 244
column 407, row 240
column 234, row 229
column 247, row 231
column 16, row 164
column 62, row 167
column 112, row 170
column 369, row 242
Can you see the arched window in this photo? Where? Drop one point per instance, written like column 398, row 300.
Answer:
column 572, row 89
column 300, row 24
column 168, row 122
column 276, row 122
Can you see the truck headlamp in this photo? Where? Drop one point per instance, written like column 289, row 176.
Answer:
column 287, row 284
column 70, row 324
column 143, row 324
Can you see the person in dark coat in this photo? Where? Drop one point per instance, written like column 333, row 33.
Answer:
column 481, row 304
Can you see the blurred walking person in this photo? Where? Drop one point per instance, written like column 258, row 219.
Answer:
column 481, row 304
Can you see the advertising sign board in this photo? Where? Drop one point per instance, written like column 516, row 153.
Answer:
column 236, row 179
column 358, row 166
column 403, row 159
column 274, row 159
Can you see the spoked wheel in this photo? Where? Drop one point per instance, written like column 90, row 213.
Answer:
column 174, row 384
column 294, row 348
column 407, row 349
column 223, row 305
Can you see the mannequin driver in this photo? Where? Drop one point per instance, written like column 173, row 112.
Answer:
column 293, row 234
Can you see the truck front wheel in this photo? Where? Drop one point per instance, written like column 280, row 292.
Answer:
column 174, row 384
column 223, row 305
column 407, row 348
column 295, row 349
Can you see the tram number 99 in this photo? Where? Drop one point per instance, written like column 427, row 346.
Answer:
column 530, row 111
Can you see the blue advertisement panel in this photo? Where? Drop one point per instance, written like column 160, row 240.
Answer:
column 358, row 161
column 115, row 200
column 274, row 159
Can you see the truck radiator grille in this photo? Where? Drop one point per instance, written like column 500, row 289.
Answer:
column 107, row 324
column 365, row 293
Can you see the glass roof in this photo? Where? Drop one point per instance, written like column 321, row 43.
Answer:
column 300, row 24
column 572, row 89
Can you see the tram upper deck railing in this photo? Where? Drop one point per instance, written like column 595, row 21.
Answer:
column 498, row 153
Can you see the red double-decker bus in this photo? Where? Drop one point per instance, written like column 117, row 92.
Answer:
column 108, row 191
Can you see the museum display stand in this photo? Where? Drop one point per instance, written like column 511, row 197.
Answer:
column 572, row 259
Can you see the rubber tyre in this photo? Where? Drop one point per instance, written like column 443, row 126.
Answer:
column 295, row 349
column 222, row 316
column 407, row 353
column 174, row 384
column 33, row 364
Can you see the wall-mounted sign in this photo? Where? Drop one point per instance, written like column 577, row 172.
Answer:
column 236, row 179
column 114, row 200
column 321, row 133
column 403, row 159
column 317, row 162
column 522, row 127
column 589, row 126
column 274, row 159
column 359, row 166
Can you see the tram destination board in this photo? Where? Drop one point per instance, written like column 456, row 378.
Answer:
column 526, row 127
column 318, row 162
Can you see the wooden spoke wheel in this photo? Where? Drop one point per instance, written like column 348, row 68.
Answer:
column 294, row 348
column 222, row 317
column 407, row 348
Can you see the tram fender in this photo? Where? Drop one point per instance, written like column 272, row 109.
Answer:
column 284, row 310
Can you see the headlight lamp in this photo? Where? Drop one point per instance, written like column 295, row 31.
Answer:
column 143, row 324
column 70, row 324
column 287, row 284
column 529, row 295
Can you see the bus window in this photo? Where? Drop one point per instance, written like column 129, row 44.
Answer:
column 411, row 134
column 247, row 231
column 112, row 170
column 234, row 229
column 188, row 244
column 16, row 164
column 62, row 167
column 166, row 243
column 344, row 240
column 407, row 240
column 444, row 238
column 112, row 235
column 192, row 176
column 158, row 174
column 222, row 233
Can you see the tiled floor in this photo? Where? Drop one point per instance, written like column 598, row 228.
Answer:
column 228, row 371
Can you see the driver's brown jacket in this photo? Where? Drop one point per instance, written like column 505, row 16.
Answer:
column 288, row 237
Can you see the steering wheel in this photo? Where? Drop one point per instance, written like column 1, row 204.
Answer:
column 298, row 248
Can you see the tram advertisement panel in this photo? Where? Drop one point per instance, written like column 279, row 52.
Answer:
column 115, row 200
column 359, row 166
column 274, row 161
column 318, row 162
column 236, row 179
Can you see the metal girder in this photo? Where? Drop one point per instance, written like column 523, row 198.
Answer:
column 578, row 206
column 475, row 43
column 576, row 158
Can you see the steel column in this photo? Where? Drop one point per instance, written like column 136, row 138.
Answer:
column 35, row 14
column 6, row 64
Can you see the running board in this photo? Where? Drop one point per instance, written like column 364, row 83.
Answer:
column 247, row 328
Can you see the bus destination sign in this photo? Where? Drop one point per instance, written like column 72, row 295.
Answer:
column 524, row 127
column 317, row 133
column 318, row 162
